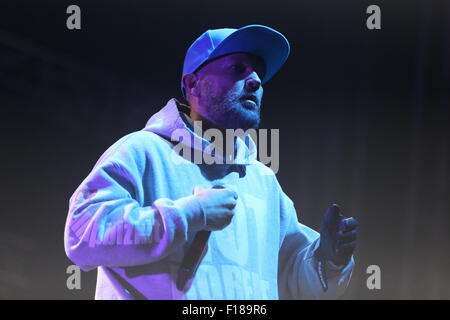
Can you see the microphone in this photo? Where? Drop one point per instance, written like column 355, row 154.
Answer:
column 191, row 260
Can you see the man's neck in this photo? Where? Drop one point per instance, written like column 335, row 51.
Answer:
column 206, row 124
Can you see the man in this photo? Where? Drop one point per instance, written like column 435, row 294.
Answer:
column 159, row 225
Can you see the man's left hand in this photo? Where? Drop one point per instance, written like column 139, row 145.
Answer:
column 337, row 237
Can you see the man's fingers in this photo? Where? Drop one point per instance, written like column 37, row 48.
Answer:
column 230, row 193
column 332, row 218
column 347, row 247
column 334, row 209
column 231, row 204
column 197, row 189
column 349, row 224
column 348, row 236
column 233, row 194
column 231, row 190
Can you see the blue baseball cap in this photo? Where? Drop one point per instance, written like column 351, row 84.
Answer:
column 262, row 41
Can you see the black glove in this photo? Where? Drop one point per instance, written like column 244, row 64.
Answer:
column 337, row 237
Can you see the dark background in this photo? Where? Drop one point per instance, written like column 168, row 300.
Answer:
column 363, row 118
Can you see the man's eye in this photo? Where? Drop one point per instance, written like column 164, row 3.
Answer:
column 239, row 68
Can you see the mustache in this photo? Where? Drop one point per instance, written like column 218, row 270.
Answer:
column 251, row 96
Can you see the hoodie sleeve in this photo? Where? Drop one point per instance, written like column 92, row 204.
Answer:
column 298, row 276
column 107, row 223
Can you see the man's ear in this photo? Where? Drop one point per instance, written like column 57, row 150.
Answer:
column 190, row 83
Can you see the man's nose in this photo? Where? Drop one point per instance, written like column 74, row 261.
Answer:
column 252, row 83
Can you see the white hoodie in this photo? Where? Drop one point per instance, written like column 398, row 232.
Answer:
column 134, row 217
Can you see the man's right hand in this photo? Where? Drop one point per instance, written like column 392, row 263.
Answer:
column 218, row 206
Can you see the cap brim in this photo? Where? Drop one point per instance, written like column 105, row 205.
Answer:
column 260, row 40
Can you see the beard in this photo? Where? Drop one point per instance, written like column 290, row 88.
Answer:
column 228, row 111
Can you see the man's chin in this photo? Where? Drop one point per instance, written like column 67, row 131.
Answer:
column 250, row 121
column 242, row 123
column 239, row 117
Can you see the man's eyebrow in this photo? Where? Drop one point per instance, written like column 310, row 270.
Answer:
column 240, row 60
column 255, row 62
column 234, row 60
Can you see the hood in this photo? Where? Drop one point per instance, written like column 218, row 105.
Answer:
column 169, row 123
